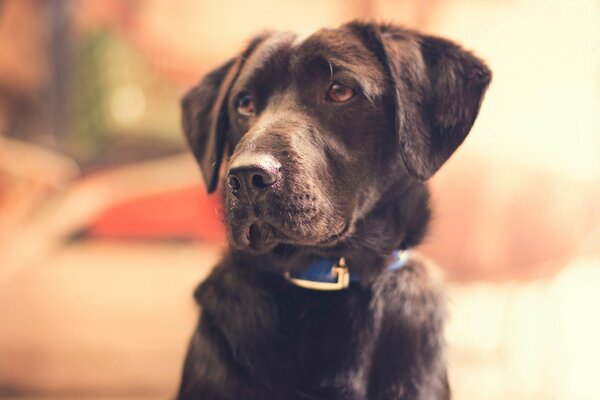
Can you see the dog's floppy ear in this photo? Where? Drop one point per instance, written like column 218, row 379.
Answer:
column 205, row 121
column 438, row 89
column 204, row 115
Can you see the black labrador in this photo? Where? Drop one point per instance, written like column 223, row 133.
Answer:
column 325, row 143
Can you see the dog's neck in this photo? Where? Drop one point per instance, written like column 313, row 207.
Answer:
column 398, row 221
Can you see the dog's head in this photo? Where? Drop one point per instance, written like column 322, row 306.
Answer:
column 317, row 129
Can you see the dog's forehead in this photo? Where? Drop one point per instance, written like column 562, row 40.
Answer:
column 272, row 52
column 283, row 53
column 339, row 43
column 343, row 50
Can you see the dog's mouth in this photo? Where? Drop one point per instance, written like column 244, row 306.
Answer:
column 296, row 218
column 256, row 236
column 259, row 237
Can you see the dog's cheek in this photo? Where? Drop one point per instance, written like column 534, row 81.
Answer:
column 312, row 208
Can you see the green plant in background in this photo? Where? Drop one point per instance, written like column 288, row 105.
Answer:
column 88, row 95
column 121, row 109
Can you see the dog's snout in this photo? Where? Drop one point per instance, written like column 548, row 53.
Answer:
column 253, row 177
column 253, row 174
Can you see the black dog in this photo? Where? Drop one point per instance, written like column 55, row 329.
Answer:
column 330, row 141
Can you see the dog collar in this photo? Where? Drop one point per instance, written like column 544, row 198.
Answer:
column 330, row 274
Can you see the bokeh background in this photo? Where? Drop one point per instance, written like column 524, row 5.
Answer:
column 105, row 228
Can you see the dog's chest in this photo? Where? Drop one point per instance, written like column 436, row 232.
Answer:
column 298, row 337
column 327, row 328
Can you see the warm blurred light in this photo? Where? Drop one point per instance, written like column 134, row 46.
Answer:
column 127, row 104
column 542, row 107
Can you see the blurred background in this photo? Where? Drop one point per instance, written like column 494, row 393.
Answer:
column 105, row 228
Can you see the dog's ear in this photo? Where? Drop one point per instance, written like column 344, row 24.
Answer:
column 205, row 121
column 438, row 89
column 204, row 115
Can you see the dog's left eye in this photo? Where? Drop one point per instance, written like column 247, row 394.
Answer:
column 339, row 93
column 245, row 105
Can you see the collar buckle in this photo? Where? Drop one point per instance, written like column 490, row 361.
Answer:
column 339, row 271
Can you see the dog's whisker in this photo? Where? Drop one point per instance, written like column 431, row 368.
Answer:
column 330, row 71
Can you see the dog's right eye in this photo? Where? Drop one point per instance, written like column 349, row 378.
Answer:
column 245, row 105
column 339, row 93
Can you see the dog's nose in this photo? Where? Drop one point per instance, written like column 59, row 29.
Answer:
column 253, row 174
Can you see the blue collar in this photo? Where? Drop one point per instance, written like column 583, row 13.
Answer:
column 333, row 274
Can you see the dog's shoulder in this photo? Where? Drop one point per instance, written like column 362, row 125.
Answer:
column 412, row 309
column 415, row 293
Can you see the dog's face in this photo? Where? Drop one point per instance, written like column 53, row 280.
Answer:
column 317, row 129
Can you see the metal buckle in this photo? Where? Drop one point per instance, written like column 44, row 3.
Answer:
column 340, row 271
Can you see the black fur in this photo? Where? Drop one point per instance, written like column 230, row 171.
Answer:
column 351, row 185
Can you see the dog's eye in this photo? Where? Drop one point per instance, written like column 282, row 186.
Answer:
column 245, row 105
column 339, row 93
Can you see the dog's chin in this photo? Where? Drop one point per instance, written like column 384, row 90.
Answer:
column 260, row 237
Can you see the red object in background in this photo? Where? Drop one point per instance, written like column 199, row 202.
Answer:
column 187, row 213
